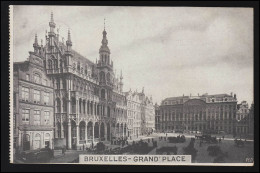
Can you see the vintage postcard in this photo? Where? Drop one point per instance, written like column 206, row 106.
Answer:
column 121, row 85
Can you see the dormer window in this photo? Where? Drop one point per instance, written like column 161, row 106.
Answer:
column 27, row 77
column 36, row 78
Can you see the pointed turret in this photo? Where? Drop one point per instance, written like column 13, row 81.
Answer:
column 51, row 23
column 121, row 82
column 35, row 44
column 68, row 42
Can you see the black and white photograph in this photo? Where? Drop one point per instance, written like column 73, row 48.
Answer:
column 131, row 85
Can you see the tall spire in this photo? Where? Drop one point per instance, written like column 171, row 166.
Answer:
column 68, row 42
column 104, row 24
column 69, row 38
column 35, row 44
column 51, row 23
column 36, row 40
column 52, row 17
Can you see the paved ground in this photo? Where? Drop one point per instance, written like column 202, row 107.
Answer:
column 235, row 155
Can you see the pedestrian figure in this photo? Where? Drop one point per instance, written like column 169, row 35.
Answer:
column 166, row 134
column 63, row 150
column 219, row 140
column 223, row 137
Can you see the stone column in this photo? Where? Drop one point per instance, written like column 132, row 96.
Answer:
column 68, row 113
column 61, row 126
column 69, row 134
column 86, row 132
column 123, row 130
column 105, row 132
column 93, row 127
column 20, row 139
column 78, row 137
column 99, row 132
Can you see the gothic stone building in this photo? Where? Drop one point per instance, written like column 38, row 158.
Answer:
column 198, row 113
column 86, row 102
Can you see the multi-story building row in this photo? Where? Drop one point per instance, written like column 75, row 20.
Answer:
column 198, row 113
column 206, row 113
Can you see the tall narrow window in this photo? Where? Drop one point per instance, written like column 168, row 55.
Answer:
column 36, row 96
column 50, row 64
column 25, row 116
column 46, row 98
column 37, row 119
column 25, row 93
column 46, row 117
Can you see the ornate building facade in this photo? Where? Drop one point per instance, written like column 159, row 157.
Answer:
column 133, row 113
column 198, row 113
column 245, row 120
column 86, row 99
column 33, row 103
column 140, row 113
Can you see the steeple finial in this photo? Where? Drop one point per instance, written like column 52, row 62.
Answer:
column 52, row 20
column 69, row 38
column 36, row 40
column 104, row 24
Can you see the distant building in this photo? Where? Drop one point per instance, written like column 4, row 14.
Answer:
column 133, row 113
column 242, row 118
column 213, row 113
column 245, row 119
column 140, row 113
column 157, row 118
column 251, row 121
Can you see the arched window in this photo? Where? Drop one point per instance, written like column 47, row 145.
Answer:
column 78, row 66
column 37, row 78
column 86, row 69
column 55, row 63
column 102, row 76
column 108, row 77
column 50, row 64
column 61, row 63
column 103, row 94
column 108, row 111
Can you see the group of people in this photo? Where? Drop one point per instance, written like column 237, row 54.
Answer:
column 120, row 141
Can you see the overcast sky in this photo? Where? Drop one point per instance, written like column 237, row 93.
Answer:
column 170, row 51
